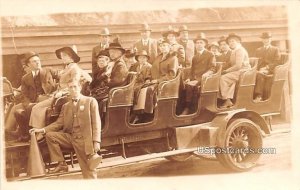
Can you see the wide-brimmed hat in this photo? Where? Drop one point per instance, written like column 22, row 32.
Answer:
column 213, row 44
column 104, row 32
column 142, row 53
column 170, row 30
column 265, row 35
column 26, row 56
column 102, row 53
column 130, row 53
column 116, row 45
column 222, row 39
column 145, row 27
column 183, row 28
column 233, row 35
column 201, row 36
column 72, row 50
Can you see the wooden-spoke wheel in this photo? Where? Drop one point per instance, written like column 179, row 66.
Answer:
column 240, row 149
column 179, row 157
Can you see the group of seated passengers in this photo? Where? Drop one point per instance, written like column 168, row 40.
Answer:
column 112, row 71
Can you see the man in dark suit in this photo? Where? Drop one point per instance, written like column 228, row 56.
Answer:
column 78, row 126
column 187, row 44
column 146, row 43
column 225, row 53
column 202, row 67
column 35, row 87
column 269, row 57
column 104, row 43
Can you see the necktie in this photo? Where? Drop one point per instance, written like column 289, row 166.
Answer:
column 75, row 100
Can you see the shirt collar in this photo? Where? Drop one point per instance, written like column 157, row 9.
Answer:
column 35, row 73
column 201, row 52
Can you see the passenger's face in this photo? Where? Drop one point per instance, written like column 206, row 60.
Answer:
column 200, row 45
column 145, row 34
column 74, row 89
column 266, row 41
column 171, row 38
column 164, row 48
column 115, row 53
column 214, row 49
column 142, row 59
column 102, row 61
column 184, row 35
column 223, row 46
column 104, row 39
column 233, row 42
column 66, row 58
column 34, row 63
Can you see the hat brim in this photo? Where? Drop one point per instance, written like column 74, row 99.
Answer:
column 136, row 56
column 223, row 40
column 165, row 34
column 203, row 39
column 28, row 57
column 233, row 36
column 119, row 48
column 265, row 37
column 74, row 55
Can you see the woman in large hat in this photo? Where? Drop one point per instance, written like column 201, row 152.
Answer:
column 70, row 59
column 239, row 60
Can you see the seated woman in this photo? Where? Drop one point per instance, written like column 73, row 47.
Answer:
column 239, row 60
column 202, row 67
column 98, row 86
column 72, row 70
column 143, row 70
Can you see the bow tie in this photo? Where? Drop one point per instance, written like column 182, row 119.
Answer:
column 75, row 99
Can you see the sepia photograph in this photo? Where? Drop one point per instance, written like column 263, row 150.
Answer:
column 149, row 94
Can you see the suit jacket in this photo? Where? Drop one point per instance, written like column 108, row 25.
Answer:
column 268, row 57
column 189, row 49
column 88, row 118
column 179, row 52
column 119, row 74
column 225, row 58
column 95, row 52
column 29, row 89
column 239, row 60
column 151, row 48
column 201, row 64
column 143, row 73
column 165, row 69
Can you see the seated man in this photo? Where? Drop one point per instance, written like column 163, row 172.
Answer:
column 239, row 60
column 202, row 67
column 35, row 87
column 225, row 53
column 78, row 126
column 269, row 57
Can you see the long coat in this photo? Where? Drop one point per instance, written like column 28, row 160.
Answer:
column 143, row 73
column 225, row 58
column 201, row 64
column 88, row 118
column 189, row 49
column 164, row 69
column 95, row 52
column 268, row 57
column 29, row 89
column 119, row 74
column 151, row 48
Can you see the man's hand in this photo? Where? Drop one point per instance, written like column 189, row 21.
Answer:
column 96, row 146
column 34, row 130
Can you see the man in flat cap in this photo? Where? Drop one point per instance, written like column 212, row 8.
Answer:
column 269, row 57
column 187, row 44
column 146, row 43
column 104, row 43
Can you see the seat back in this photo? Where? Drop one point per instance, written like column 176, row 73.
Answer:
column 169, row 89
column 281, row 71
column 212, row 83
column 122, row 96
column 248, row 77
column 7, row 87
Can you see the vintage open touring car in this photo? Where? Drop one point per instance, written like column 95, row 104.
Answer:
column 169, row 134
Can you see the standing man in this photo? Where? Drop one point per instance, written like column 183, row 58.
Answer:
column 104, row 43
column 176, row 48
column 146, row 43
column 187, row 44
column 225, row 53
column 78, row 126
column 269, row 57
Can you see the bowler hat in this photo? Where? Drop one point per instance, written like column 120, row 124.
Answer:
column 233, row 35
column 170, row 30
column 72, row 50
column 116, row 45
column 201, row 36
column 104, row 32
column 26, row 56
column 129, row 53
column 265, row 35
column 142, row 53
column 222, row 39
column 145, row 27
column 103, row 53
column 183, row 28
